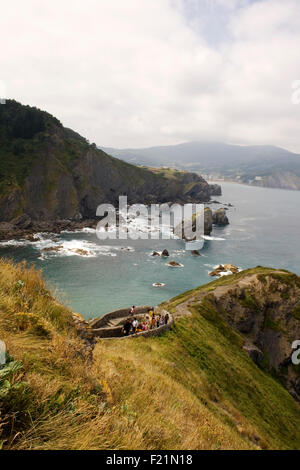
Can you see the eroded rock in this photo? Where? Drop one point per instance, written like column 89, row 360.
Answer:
column 174, row 264
column 227, row 268
column 155, row 253
column 220, row 218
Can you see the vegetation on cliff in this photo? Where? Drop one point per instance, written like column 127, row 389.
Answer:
column 192, row 388
column 49, row 172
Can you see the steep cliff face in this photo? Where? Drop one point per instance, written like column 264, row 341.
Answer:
column 282, row 179
column 263, row 305
column 266, row 310
column 49, row 172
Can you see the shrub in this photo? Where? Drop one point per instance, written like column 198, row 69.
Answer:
column 33, row 323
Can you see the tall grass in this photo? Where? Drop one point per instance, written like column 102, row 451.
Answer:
column 192, row 388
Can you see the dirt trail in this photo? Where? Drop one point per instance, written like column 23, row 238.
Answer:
column 183, row 309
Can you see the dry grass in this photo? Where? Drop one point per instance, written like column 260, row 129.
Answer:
column 192, row 388
column 157, row 411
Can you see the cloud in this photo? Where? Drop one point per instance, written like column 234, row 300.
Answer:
column 139, row 73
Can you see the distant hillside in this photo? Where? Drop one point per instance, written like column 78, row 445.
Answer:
column 194, row 387
column 267, row 166
column 48, row 172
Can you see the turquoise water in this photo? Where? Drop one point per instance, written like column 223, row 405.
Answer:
column 264, row 230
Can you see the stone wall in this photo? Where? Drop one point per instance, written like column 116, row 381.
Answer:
column 102, row 321
column 146, row 334
column 107, row 332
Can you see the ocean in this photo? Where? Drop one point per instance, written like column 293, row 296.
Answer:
column 264, row 230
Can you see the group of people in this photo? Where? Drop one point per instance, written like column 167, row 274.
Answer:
column 150, row 321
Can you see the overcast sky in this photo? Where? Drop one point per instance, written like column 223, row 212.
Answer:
column 139, row 73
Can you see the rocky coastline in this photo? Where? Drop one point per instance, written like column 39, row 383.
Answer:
column 25, row 228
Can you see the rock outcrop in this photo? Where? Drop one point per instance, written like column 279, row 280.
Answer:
column 191, row 225
column 195, row 253
column 265, row 309
column 50, row 174
column 227, row 268
column 263, row 306
column 220, row 218
column 208, row 221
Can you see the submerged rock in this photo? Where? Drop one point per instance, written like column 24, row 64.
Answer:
column 155, row 253
column 174, row 264
column 81, row 252
column 195, row 253
column 52, row 248
column 32, row 238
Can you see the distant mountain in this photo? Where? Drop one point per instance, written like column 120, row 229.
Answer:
column 49, row 172
column 263, row 165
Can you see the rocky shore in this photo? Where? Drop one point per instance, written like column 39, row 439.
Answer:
column 24, row 228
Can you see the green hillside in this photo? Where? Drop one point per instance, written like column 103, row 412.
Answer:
column 192, row 388
column 49, row 172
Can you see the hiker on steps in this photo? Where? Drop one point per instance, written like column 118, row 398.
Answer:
column 132, row 311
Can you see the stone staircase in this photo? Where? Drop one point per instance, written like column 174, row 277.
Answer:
column 110, row 325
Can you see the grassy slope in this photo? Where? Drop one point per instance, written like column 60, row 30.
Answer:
column 169, row 173
column 192, row 388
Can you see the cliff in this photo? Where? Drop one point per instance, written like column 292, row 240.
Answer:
column 50, row 173
column 263, row 306
column 259, row 165
column 194, row 387
column 282, row 179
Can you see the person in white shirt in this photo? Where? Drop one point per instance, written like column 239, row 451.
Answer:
column 135, row 324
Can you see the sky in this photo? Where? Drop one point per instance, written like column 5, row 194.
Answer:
column 140, row 73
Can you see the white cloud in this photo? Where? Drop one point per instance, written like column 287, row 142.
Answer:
column 135, row 73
